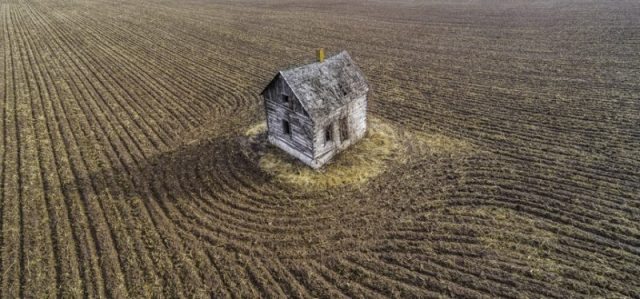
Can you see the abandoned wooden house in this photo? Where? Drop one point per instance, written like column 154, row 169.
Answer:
column 317, row 110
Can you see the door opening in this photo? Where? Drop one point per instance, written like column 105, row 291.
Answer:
column 344, row 129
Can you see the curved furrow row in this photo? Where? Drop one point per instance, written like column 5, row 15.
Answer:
column 211, row 89
column 540, row 195
column 492, row 284
column 417, row 231
column 378, row 279
column 416, row 278
column 349, row 287
column 252, row 222
column 287, row 281
column 448, row 64
column 189, row 215
column 497, row 134
column 123, row 93
column 220, row 171
column 569, row 205
column 563, row 193
column 474, row 273
column 508, row 148
column 100, row 38
column 106, row 102
column 315, row 283
column 153, row 78
column 190, row 33
column 521, row 244
column 576, row 181
column 255, row 187
column 125, row 171
column 140, row 49
column 261, row 278
column 559, row 226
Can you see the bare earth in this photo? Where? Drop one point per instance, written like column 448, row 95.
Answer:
column 125, row 170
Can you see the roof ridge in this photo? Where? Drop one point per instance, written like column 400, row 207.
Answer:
column 323, row 87
column 317, row 63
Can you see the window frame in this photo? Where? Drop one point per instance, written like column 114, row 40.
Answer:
column 328, row 134
column 344, row 129
column 286, row 127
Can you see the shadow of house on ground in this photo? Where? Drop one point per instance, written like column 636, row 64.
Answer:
column 174, row 174
column 181, row 190
column 214, row 190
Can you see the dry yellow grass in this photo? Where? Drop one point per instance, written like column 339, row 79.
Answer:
column 355, row 165
column 439, row 143
column 126, row 171
column 256, row 129
column 359, row 163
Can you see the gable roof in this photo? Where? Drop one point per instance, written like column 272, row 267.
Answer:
column 323, row 87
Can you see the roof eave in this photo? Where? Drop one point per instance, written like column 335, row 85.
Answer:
column 269, row 84
column 311, row 116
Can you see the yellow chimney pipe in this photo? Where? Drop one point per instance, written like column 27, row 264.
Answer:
column 320, row 53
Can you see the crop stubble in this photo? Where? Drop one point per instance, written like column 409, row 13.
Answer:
column 123, row 174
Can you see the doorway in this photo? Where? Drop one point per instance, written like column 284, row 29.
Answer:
column 344, row 130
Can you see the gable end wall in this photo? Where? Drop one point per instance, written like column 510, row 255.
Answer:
column 299, row 143
column 356, row 114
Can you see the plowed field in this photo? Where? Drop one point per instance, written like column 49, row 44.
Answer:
column 125, row 171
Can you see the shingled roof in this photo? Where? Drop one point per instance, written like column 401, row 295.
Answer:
column 323, row 87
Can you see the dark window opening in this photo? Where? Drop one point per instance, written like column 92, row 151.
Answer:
column 344, row 129
column 327, row 134
column 286, row 128
column 285, row 98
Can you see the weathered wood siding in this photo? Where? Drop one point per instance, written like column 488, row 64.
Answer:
column 307, row 139
column 300, row 139
column 356, row 116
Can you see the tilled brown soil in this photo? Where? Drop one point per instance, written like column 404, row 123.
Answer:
column 124, row 172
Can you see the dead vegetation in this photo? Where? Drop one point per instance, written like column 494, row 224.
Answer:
column 365, row 160
column 382, row 147
column 503, row 161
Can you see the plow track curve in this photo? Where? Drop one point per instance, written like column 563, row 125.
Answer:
column 126, row 171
